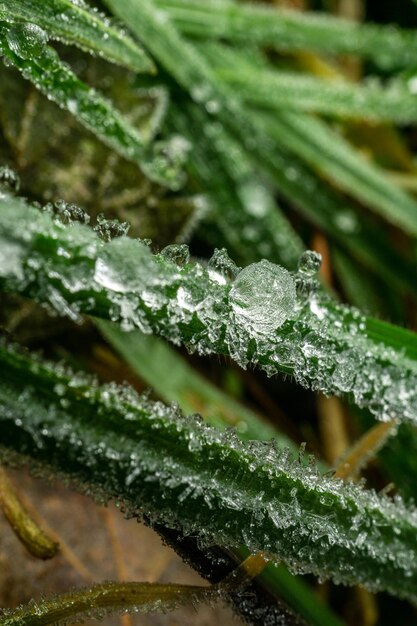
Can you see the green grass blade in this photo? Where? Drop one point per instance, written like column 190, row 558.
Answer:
column 387, row 46
column 252, row 225
column 102, row 599
column 265, row 317
column 25, row 46
column 175, row 381
column 189, row 476
column 313, row 141
column 78, row 24
column 338, row 98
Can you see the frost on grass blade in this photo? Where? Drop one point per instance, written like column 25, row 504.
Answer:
column 77, row 23
column 100, row 600
column 312, row 141
column 325, row 346
column 289, row 90
column 178, row 471
column 388, row 47
column 242, row 207
column 26, row 47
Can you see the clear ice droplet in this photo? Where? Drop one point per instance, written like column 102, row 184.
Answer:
column 178, row 253
column 309, row 263
column 27, row 40
column 221, row 262
column 263, row 296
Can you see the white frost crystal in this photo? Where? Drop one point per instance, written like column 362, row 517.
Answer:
column 263, row 296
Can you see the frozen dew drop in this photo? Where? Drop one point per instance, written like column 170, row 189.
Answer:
column 27, row 40
column 306, row 282
column 110, row 229
column 177, row 253
column 263, row 296
column 222, row 264
column 309, row 263
column 69, row 213
column 167, row 160
column 9, row 180
column 124, row 266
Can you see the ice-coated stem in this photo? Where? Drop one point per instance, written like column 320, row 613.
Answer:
column 99, row 600
column 187, row 475
column 265, row 316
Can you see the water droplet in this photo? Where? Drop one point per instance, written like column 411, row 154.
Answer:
column 309, row 263
column 69, row 213
column 9, row 180
column 263, row 296
column 110, row 229
column 26, row 40
column 177, row 253
column 222, row 264
column 167, row 159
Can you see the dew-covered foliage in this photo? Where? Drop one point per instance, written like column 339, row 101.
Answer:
column 261, row 315
column 216, row 200
column 108, row 439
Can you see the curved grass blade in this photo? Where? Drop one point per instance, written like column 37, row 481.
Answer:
column 102, row 599
column 154, row 361
column 254, row 133
column 387, row 46
column 187, row 475
column 265, row 316
column 25, row 46
column 339, row 98
column 252, row 224
column 313, row 141
column 25, row 528
column 78, row 24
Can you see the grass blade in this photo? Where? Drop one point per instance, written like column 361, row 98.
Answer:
column 387, row 46
column 77, row 24
column 266, row 316
column 274, row 90
column 25, row 46
column 154, row 361
column 150, row 456
column 102, row 599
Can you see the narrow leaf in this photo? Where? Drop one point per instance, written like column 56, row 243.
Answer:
column 25, row 46
column 105, row 598
column 339, row 98
column 266, row 316
column 174, row 380
column 78, row 24
column 189, row 476
column 387, row 46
